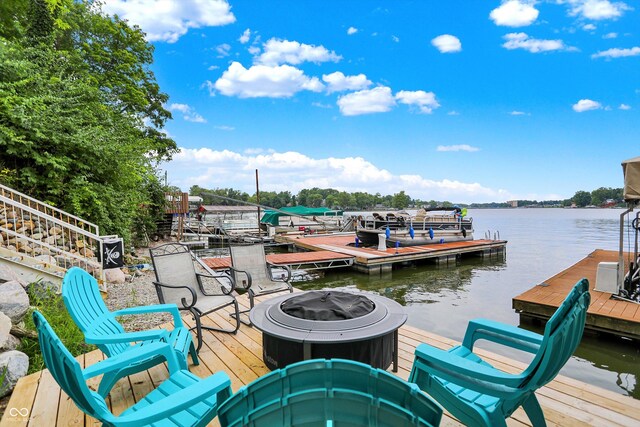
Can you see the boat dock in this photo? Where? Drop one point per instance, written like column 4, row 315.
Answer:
column 296, row 260
column 605, row 314
column 38, row 401
column 373, row 261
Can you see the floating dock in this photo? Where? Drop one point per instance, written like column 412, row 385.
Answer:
column 319, row 260
column 373, row 261
column 605, row 314
column 38, row 401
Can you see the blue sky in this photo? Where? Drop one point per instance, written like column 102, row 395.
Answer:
column 465, row 101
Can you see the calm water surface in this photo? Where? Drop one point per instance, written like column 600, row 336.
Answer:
column 541, row 243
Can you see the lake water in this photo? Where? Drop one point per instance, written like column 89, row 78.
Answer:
column 541, row 243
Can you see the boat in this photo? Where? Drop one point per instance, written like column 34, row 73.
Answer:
column 427, row 226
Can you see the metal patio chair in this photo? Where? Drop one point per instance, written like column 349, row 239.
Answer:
column 480, row 395
column 178, row 282
column 84, row 303
column 326, row 393
column 182, row 399
column 252, row 273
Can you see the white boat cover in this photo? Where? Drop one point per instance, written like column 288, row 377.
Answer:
column 631, row 171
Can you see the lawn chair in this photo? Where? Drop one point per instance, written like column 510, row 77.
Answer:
column 84, row 303
column 183, row 399
column 480, row 395
column 253, row 274
column 177, row 282
column 329, row 392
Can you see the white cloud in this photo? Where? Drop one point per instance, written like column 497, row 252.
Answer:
column 321, row 105
column 586, row 105
column 518, row 113
column 213, row 67
column 589, row 27
column 352, row 30
column 210, row 86
column 258, row 81
column 447, row 43
column 168, row 20
column 453, row 113
column 291, row 52
column 617, row 53
column 425, row 101
column 597, row 9
column 395, row 39
column 624, row 107
column 294, row 171
column 225, row 128
column 376, row 100
column 188, row 113
column 514, row 13
column 223, row 50
column 338, row 82
column 244, row 38
column 610, row 36
column 461, row 147
column 523, row 41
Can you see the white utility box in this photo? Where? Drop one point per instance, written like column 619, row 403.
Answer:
column 607, row 277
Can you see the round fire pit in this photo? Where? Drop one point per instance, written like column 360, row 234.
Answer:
column 329, row 324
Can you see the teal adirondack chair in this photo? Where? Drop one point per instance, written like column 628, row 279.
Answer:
column 478, row 394
column 329, row 393
column 82, row 298
column 182, row 400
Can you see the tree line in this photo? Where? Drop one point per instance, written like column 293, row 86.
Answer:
column 81, row 114
column 335, row 199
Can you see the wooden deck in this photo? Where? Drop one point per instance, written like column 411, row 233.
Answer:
column 38, row 400
column 605, row 314
column 372, row 260
column 295, row 260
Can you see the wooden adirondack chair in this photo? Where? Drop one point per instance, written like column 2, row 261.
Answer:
column 178, row 282
column 253, row 274
column 329, row 392
column 82, row 298
column 480, row 395
column 183, row 399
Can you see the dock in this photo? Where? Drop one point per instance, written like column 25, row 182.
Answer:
column 39, row 401
column 318, row 260
column 373, row 261
column 605, row 314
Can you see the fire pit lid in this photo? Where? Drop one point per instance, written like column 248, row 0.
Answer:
column 327, row 305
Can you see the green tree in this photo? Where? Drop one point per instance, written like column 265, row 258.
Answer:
column 400, row 200
column 581, row 198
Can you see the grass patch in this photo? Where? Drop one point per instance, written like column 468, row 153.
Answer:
column 53, row 309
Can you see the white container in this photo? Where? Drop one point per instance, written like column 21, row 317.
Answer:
column 607, row 277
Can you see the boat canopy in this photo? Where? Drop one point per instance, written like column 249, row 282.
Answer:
column 273, row 217
column 631, row 171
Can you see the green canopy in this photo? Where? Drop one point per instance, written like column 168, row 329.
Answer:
column 273, row 217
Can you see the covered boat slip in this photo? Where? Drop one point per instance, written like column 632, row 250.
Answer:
column 605, row 314
column 565, row 402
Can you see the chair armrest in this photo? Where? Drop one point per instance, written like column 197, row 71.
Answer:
column 185, row 306
column 127, row 358
column 235, row 271
column 465, row 373
column 225, row 290
column 158, row 308
column 216, row 384
column 501, row 333
column 285, row 267
column 151, row 334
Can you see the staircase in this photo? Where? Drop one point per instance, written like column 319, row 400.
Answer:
column 40, row 242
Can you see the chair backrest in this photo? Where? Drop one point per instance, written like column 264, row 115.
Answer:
column 310, row 392
column 84, row 303
column 250, row 258
column 67, row 372
column 173, row 265
column 562, row 335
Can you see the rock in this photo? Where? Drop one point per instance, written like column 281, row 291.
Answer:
column 87, row 252
column 114, row 275
column 48, row 259
column 42, row 289
column 12, row 343
column 5, row 329
column 8, row 275
column 14, row 365
column 14, row 301
column 37, row 236
column 55, row 230
column 79, row 244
